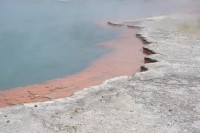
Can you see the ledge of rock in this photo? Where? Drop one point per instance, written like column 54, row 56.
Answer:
column 163, row 99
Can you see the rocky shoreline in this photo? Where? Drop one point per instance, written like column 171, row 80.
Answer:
column 164, row 98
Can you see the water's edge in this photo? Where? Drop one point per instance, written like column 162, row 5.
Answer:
column 113, row 64
column 165, row 98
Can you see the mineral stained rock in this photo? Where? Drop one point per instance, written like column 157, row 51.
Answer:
column 163, row 99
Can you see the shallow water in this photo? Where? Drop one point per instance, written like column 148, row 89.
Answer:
column 46, row 39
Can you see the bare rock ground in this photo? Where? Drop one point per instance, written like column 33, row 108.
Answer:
column 163, row 99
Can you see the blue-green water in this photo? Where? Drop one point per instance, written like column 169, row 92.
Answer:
column 46, row 39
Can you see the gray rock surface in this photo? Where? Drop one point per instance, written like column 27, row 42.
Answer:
column 163, row 99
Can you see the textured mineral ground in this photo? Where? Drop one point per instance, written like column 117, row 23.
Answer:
column 163, row 98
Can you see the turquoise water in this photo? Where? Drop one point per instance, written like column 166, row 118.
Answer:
column 47, row 39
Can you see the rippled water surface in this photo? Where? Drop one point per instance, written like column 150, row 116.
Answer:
column 46, row 39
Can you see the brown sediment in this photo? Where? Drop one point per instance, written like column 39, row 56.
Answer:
column 134, row 27
column 115, row 24
column 149, row 60
column 144, row 41
column 125, row 59
column 147, row 51
column 143, row 69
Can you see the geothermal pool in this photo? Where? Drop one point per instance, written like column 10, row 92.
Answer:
column 41, row 40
